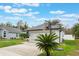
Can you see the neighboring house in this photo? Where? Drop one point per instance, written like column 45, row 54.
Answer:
column 9, row 32
column 68, row 37
column 42, row 29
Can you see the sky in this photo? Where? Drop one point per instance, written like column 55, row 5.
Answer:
column 36, row 13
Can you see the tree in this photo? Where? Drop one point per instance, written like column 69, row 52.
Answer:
column 57, row 23
column 24, row 35
column 25, row 26
column 19, row 24
column 22, row 25
column 68, row 30
column 53, row 22
column 46, row 42
column 49, row 25
column 75, row 30
column 2, row 24
column 8, row 24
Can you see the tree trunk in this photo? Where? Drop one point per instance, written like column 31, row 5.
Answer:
column 50, row 28
column 47, row 52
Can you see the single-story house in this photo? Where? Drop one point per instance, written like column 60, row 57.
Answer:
column 42, row 29
column 9, row 32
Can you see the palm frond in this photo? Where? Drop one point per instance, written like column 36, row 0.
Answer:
column 47, row 41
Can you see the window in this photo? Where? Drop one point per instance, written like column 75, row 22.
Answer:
column 4, row 33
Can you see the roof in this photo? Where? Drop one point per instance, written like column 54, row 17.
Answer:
column 43, row 26
column 11, row 29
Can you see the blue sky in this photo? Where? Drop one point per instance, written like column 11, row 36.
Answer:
column 35, row 13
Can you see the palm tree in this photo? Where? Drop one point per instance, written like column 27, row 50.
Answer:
column 53, row 22
column 49, row 25
column 46, row 42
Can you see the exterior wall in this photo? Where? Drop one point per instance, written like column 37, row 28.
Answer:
column 0, row 33
column 3, row 33
column 33, row 34
column 61, row 36
column 10, row 35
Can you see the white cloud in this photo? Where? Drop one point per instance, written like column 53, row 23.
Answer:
column 4, row 18
column 27, row 14
column 1, row 7
column 42, row 19
column 70, row 15
column 16, row 10
column 5, row 7
column 34, row 12
column 31, row 4
column 30, row 9
column 27, row 4
column 10, row 17
column 57, row 12
column 30, row 14
column 9, row 9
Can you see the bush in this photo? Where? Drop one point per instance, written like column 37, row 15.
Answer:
column 24, row 35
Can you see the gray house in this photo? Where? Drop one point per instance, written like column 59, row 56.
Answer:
column 9, row 32
column 42, row 29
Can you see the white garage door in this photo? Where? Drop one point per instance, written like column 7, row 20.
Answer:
column 33, row 35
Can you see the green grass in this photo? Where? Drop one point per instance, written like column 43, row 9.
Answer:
column 69, row 47
column 8, row 42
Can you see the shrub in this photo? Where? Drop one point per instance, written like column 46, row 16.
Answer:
column 24, row 35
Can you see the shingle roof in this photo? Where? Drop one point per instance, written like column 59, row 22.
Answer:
column 43, row 26
column 11, row 29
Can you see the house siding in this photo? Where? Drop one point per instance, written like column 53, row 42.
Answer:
column 10, row 34
column 33, row 34
column 0, row 32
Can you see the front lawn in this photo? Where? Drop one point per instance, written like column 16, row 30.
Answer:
column 70, row 46
column 9, row 42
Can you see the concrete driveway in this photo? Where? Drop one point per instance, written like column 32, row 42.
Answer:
column 26, row 49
